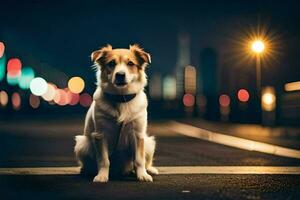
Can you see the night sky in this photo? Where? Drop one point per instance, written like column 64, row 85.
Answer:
column 62, row 35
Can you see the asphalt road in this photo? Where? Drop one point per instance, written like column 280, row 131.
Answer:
column 46, row 143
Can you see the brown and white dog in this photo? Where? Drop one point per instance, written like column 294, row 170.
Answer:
column 115, row 132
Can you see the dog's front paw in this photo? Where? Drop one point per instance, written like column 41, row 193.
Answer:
column 144, row 177
column 101, row 178
column 152, row 170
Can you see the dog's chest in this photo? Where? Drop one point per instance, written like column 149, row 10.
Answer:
column 125, row 136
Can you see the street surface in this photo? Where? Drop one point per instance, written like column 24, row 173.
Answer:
column 48, row 143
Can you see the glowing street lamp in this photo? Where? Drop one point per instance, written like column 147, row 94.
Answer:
column 258, row 46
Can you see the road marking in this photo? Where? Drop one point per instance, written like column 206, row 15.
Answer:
column 232, row 141
column 228, row 170
column 162, row 170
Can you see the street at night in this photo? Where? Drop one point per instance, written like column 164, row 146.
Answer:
column 190, row 168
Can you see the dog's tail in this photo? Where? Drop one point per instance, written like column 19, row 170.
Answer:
column 83, row 147
column 84, row 153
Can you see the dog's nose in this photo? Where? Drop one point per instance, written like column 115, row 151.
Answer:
column 120, row 78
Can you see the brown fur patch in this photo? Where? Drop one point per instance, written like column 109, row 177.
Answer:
column 134, row 54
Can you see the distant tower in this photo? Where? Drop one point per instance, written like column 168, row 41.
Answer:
column 183, row 59
column 208, row 75
column 208, row 71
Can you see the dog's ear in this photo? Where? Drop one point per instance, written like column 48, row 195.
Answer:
column 143, row 57
column 98, row 55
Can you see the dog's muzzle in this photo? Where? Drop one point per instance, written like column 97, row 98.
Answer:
column 120, row 79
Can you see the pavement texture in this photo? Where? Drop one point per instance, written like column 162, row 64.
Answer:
column 46, row 143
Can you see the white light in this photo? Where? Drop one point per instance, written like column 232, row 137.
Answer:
column 268, row 98
column 258, row 46
column 38, row 86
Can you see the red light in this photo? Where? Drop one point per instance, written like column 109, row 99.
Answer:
column 14, row 66
column 2, row 48
column 74, row 99
column 188, row 100
column 85, row 100
column 243, row 95
column 61, row 97
column 16, row 100
column 224, row 100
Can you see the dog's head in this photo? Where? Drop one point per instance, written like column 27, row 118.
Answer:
column 122, row 70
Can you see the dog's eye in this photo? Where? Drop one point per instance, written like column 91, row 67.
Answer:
column 111, row 64
column 130, row 63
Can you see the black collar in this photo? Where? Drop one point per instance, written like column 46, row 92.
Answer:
column 119, row 98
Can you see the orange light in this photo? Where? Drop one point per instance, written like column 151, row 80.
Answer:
column 224, row 100
column 188, row 100
column 268, row 98
column 293, row 86
column 3, row 98
column 243, row 95
column 76, row 84
column 16, row 100
column 190, row 80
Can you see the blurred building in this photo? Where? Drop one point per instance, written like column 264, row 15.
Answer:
column 183, row 59
column 208, row 77
column 155, row 86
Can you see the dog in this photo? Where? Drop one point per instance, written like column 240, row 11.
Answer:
column 115, row 131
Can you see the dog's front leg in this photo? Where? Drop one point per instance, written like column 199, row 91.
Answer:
column 139, row 162
column 102, row 157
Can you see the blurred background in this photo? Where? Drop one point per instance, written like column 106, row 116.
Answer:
column 233, row 61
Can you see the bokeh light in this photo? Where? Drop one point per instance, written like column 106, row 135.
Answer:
column 243, row 95
column 3, row 98
column 16, row 100
column 169, row 87
column 2, row 67
column 268, row 99
column 38, row 86
column 76, row 84
column 2, row 49
column 14, row 66
column 13, row 80
column 69, row 95
column 61, row 97
column 51, row 90
column 74, row 99
column 34, row 101
column 293, row 86
column 188, row 100
column 224, row 100
column 27, row 74
column 85, row 100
